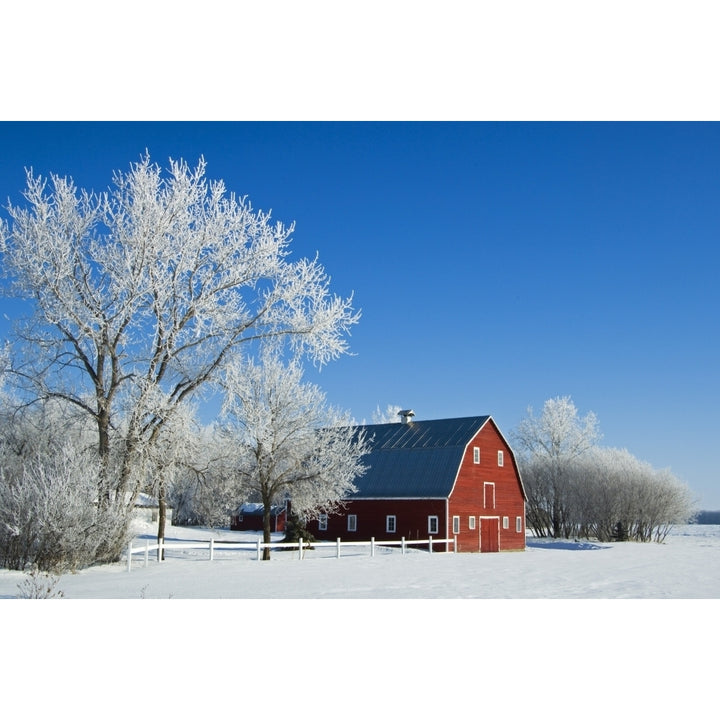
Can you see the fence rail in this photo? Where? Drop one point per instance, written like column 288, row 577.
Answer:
column 211, row 545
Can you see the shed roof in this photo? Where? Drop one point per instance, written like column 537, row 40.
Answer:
column 415, row 459
column 258, row 509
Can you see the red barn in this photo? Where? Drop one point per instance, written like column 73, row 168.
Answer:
column 445, row 478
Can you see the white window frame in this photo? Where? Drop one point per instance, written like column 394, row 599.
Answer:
column 390, row 523
column 476, row 455
column 501, row 458
column 456, row 524
column 352, row 523
column 506, row 522
column 519, row 524
column 322, row 522
column 486, row 486
column 433, row 521
column 471, row 522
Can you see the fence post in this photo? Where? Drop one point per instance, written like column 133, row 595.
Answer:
column 129, row 554
column 300, row 548
column 430, row 544
column 147, row 552
column 258, row 548
column 337, row 543
column 455, row 544
column 212, row 548
column 372, row 547
column 403, row 545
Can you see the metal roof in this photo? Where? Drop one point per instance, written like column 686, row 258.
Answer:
column 258, row 509
column 415, row 459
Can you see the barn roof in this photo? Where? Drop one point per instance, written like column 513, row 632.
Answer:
column 415, row 459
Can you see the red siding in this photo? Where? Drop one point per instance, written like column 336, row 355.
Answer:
column 473, row 493
column 255, row 522
column 411, row 520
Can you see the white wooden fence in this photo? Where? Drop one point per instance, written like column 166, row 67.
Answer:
column 212, row 545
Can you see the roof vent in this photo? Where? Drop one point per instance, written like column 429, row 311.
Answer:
column 406, row 416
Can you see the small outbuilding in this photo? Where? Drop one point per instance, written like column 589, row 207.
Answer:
column 453, row 478
column 249, row 516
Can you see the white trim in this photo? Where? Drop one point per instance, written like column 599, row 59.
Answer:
column 518, row 523
column 485, row 487
column 508, row 448
column 506, row 522
column 476, row 455
column 501, row 458
column 471, row 522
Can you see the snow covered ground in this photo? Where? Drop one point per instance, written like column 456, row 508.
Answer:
column 459, row 621
column 686, row 565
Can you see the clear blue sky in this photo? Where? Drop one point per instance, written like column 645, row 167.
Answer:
column 496, row 264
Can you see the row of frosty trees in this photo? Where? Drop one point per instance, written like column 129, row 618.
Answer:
column 140, row 300
column 577, row 488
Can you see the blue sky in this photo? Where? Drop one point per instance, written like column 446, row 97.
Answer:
column 496, row 264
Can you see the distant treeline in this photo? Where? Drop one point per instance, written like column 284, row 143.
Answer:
column 707, row 517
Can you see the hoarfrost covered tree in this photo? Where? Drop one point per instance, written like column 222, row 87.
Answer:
column 49, row 517
column 49, row 514
column 142, row 293
column 290, row 444
column 576, row 488
column 175, row 451
column 617, row 496
column 205, row 491
column 390, row 415
column 547, row 445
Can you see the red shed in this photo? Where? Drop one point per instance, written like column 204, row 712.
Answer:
column 249, row 516
column 446, row 478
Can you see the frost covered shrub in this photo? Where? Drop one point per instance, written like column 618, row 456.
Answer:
column 50, row 518
column 604, row 488
column 39, row 586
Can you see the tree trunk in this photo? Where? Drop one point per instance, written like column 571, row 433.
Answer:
column 266, row 529
column 104, row 485
column 162, row 513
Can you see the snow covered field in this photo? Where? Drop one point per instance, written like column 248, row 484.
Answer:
column 686, row 566
column 394, row 620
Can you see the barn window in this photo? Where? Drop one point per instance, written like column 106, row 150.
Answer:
column 471, row 522
column 432, row 524
column 322, row 522
column 352, row 523
column 456, row 524
column 506, row 522
column 476, row 456
column 501, row 458
column 390, row 524
column 489, row 495
column 518, row 524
